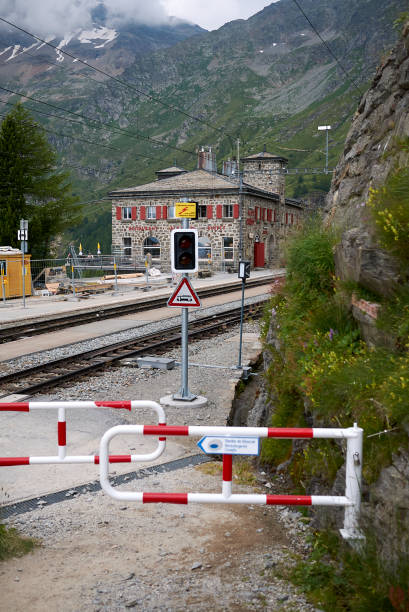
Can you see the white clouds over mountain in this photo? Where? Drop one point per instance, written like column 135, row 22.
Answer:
column 61, row 17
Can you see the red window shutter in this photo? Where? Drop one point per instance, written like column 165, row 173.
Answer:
column 133, row 213
column 269, row 214
column 209, row 211
column 118, row 213
column 164, row 212
column 286, row 218
column 236, row 211
column 143, row 212
column 219, row 211
column 257, row 213
column 292, row 219
column 159, row 212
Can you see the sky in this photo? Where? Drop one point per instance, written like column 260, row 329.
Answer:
column 212, row 14
column 60, row 17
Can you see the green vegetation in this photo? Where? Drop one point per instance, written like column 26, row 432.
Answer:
column 29, row 186
column 338, row 577
column 390, row 205
column 12, row 544
column 325, row 365
column 322, row 368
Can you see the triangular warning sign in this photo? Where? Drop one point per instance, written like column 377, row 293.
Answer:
column 184, row 296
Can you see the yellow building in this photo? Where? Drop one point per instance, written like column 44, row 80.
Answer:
column 11, row 273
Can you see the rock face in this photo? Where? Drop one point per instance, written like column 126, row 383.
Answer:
column 370, row 153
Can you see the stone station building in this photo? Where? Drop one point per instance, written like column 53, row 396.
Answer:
column 143, row 216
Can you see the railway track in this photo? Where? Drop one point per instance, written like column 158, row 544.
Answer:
column 43, row 377
column 36, row 327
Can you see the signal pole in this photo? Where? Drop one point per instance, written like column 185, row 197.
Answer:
column 184, row 393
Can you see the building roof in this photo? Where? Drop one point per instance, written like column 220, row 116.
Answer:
column 191, row 184
column 197, row 180
column 264, row 155
column 171, row 169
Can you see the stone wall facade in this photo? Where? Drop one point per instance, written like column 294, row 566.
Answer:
column 264, row 221
column 266, row 173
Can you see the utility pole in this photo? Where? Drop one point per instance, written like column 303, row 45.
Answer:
column 240, row 202
column 22, row 235
column 320, row 129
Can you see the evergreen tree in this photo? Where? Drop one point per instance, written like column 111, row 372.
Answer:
column 30, row 186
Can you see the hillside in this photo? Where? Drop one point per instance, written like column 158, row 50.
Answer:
column 267, row 80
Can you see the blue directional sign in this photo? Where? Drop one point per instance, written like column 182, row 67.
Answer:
column 219, row 445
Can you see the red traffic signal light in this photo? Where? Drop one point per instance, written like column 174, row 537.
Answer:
column 184, row 251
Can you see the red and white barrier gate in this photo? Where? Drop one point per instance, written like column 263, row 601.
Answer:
column 351, row 500
column 249, row 435
column 62, row 456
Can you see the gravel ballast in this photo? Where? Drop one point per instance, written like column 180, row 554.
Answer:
column 101, row 555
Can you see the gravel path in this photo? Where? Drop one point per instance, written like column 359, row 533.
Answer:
column 140, row 329
column 101, row 555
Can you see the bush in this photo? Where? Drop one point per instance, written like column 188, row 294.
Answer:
column 390, row 207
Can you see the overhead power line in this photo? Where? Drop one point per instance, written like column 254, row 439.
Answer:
column 327, row 47
column 67, row 135
column 110, row 127
column 33, row 110
column 120, row 81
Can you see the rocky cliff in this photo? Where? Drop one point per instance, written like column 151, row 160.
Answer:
column 370, row 152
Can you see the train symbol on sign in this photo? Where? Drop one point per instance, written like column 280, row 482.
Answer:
column 229, row 445
column 184, row 296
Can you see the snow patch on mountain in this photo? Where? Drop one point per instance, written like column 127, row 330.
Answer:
column 14, row 52
column 102, row 33
column 5, row 50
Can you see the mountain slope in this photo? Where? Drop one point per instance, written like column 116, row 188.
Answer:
column 268, row 80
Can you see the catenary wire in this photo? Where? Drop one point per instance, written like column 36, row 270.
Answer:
column 327, row 47
column 66, row 135
column 33, row 110
column 111, row 127
column 120, row 81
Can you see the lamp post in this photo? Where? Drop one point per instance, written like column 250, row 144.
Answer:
column 326, row 128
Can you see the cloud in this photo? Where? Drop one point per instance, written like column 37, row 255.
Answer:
column 61, row 17
column 47, row 16
column 213, row 14
column 151, row 12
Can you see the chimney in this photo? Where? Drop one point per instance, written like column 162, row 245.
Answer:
column 206, row 160
column 230, row 168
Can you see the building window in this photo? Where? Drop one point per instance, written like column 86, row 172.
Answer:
column 127, row 243
column 171, row 212
column 228, row 210
column 202, row 212
column 127, row 212
column 151, row 245
column 205, row 248
column 151, row 212
column 227, row 248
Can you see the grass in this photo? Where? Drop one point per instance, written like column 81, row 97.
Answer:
column 12, row 544
column 338, row 578
column 243, row 470
column 321, row 370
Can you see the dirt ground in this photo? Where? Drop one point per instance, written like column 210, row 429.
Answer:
column 99, row 554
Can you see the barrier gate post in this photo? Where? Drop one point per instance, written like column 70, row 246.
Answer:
column 226, row 442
